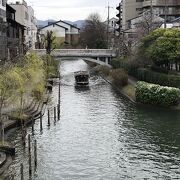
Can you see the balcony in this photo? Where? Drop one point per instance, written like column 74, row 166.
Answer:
column 147, row 3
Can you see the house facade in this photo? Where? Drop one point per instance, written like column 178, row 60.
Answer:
column 15, row 34
column 32, row 28
column 3, row 38
column 25, row 16
column 66, row 34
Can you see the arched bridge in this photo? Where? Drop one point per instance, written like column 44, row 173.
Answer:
column 99, row 56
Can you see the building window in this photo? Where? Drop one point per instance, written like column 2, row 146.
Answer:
column 4, row 3
column 112, row 23
column 138, row 9
column 26, row 16
column 139, row 0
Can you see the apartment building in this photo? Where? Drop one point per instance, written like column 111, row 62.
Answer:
column 3, row 39
column 169, row 9
column 25, row 16
column 130, row 9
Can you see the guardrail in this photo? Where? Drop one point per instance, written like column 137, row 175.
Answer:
column 79, row 52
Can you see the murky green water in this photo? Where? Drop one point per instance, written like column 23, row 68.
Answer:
column 102, row 136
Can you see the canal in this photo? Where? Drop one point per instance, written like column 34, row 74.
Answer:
column 101, row 136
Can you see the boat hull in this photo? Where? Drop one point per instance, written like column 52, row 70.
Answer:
column 81, row 78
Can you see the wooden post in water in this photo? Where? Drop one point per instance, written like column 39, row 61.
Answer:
column 29, row 153
column 58, row 109
column 48, row 118
column 3, row 133
column 32, row 125
column 59, row 94
column 22, row 173
column 41, row 127
column 35, row 154
column 23, row 135
column 54, row 114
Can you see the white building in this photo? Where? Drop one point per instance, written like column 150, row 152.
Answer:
column 25, row 16
column 32, row 25
column 65, row 33
column 112, row 25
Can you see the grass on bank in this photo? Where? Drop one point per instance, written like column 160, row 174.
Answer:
column 119, row 78
column 129, row 90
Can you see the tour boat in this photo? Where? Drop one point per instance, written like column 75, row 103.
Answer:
column 81, row 78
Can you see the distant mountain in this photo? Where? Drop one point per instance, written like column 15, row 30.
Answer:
column 42, row 23
column 78, row 23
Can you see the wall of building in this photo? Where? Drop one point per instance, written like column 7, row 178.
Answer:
column 172, row 8
column 22, row 17
column 67, row 26
column 3, row 38
column 130, row 9
column 74, row 39
column 32, row 24
column 58, row 31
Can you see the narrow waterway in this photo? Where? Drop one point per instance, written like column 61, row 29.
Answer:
column 102, row 136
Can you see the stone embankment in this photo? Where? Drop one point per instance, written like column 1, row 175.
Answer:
column 32, row 111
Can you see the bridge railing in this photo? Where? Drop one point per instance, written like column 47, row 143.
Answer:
column 80, row 52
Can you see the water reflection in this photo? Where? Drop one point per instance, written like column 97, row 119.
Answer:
column 102, row 135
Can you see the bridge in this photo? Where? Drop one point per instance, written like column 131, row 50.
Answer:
column 99, row 56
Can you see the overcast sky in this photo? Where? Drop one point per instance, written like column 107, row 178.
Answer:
column 71, row 9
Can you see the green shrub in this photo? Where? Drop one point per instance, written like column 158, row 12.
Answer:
column 104, row 70
column 158, row 78
column 128, row 66
column 119, row 77
column 157, row 95
column 159, row 69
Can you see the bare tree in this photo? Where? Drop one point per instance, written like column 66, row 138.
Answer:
column 93, row 34
column 140, row 27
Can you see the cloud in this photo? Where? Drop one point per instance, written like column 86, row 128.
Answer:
column 70, row 9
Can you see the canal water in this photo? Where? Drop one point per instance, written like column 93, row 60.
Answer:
column 101, row 136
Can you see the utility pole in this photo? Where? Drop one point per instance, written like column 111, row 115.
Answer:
column 151, row 18
column 165, row 14
column 151, row 11
column 108, row 25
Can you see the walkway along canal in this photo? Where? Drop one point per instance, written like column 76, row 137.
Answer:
column 101, row 135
